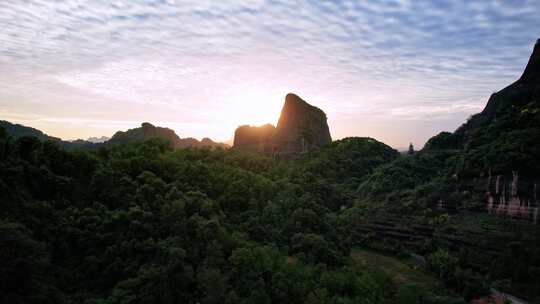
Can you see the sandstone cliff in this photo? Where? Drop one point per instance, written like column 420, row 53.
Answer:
column 301, row 128
column 255, row 139
column 514, row 196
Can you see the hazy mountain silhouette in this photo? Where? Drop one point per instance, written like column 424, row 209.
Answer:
column 17, row 130
column 97, row 140
column 145, row 132
column 148, row 131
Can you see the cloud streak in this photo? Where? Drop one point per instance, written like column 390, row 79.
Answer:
column 401, row 62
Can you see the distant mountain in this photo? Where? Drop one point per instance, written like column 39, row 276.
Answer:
column 17, row 130
column 301, row 128
column 147, row 131
column 97, row 140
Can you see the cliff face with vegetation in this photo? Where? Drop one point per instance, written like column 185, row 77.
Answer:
column 491, row 163
column 514, row 195
column 504, row 136
column 301, row 128
column 501, row 145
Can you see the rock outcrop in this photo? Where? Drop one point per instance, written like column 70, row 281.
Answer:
column 513, row 196
column 301, row 128
column 522, row 95
column 255, row 139
column 503, row 140
column 532, row 70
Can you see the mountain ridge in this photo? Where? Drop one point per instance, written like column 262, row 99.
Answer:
column 145, row 132
column 148, row 131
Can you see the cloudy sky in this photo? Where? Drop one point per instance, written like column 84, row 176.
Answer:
column 398, row 71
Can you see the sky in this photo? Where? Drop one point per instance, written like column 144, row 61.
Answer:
column 399, row 71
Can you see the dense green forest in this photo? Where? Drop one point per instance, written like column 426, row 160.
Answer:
column 143, row 223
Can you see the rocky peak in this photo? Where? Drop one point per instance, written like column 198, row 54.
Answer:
column 256, row 139
column 147, row 126
column 295, row 111
column 522, row 96
column 301, row 128
column 532, row 70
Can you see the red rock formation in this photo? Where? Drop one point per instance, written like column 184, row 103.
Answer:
column 255, row 139
column 301, row 128
column 513, row 196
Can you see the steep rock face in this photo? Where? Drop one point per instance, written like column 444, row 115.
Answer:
column 255, row 139
column 504, row 137
column 502, row 145
column 301, row 127
column 521, row 96
column 515, row 107
column 506, row 134
column 532, row 71
column 513, row 195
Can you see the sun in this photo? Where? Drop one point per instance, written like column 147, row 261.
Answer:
column 254, row 106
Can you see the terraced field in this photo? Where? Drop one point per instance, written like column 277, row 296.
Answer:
column 401, row 271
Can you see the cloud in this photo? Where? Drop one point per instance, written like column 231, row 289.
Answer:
column 395, row 60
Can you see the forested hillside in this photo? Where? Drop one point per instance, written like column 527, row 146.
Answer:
column 142, row 223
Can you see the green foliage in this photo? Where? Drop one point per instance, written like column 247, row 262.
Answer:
column 24, row 268
column 411, row 293
column 409, row 182
column 443, row 141
column 348, row 160
column 442, row 263
column 141, row 223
